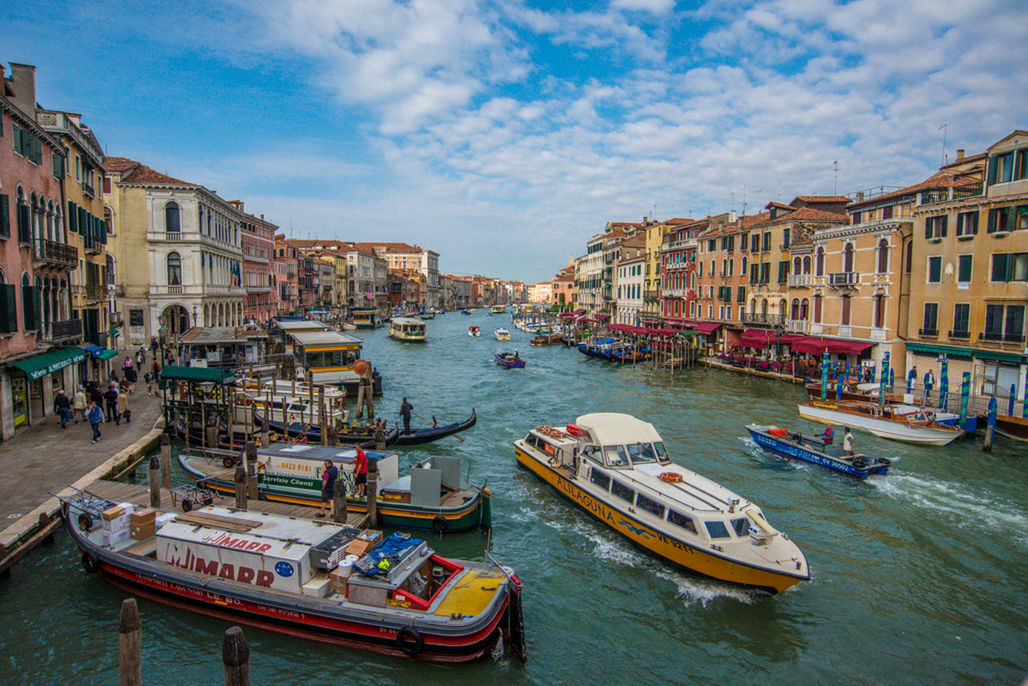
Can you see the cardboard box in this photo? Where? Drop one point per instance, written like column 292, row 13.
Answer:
column 115, row 537
column 121, row 523
column 145, row 516
column 317, row 587
column 112, row 513
column 141, row 532
column 359, row 547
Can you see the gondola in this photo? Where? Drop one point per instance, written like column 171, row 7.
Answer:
column 313, row 433
column 435, row 432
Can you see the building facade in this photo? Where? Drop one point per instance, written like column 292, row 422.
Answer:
column 257, row 242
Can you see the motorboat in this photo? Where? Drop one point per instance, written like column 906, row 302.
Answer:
column 616, row 468
column 899, row 423
column 502, row 334
column 429, row 498
column 815, row 450
column 509, row 360
column 407, row 330
column 474, row 331
column 499, row 309
column 312, row 580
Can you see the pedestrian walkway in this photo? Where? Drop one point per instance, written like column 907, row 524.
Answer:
column 44, row 459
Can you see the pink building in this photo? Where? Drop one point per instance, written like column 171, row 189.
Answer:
column 258, row 243
column 287, row 275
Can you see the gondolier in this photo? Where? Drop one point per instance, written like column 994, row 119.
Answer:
column 405, row 410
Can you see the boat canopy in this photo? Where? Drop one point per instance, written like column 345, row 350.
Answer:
column 614, row 428
column 814, row 345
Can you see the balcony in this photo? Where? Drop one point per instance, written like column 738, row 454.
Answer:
column 960, row 335
column 651, row 296
column 92, row 292
column 945, row 195
column 674, row 292
column 1001, row 337
column 260, row 259
column 259, row 289
column 928, row 333
column 763, row 319
column 796, row 325
column 87, row 188
column 96, row 248
column 49, row 253
column 843, row 279
column 799, row 280
column 62, row 331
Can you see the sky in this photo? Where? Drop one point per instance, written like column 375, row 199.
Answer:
column 503, row 134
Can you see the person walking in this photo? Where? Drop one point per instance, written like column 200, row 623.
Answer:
column 328, row 483
column 111, row 401
column 155, row 369
column 80, row 403
column 405, row 410
column 148, row 377
column 929, row 381
column 141, row 357
column 123, row 408
column 62, row 408
column 95, row 414
column 95, row 395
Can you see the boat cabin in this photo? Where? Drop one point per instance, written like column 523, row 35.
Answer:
column 407, row 329
column 287, row 327
column 221, row 346
column 366, row 319
column 329, row 356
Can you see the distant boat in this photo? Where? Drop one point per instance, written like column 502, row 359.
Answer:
column 474, row 331
column 509, row 360
column 502, row 334
column 814, row 450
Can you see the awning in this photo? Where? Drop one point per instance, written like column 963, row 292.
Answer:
column 762, row 338
column 602, row 317
column 39, row 366
column 705, row 328
column 566, row 315
column 199, row 374
column 953, row 351
column 93, row 350
column 814, row 345
column 578, row 313
column 105, row 354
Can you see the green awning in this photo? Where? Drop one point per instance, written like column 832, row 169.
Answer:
column 954, row 351
column 39, row 366
column 106, row 354
column 199, row 374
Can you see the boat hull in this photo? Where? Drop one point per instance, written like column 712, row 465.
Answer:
column 658, row 543
column 509, row 364
column 1012, row 427
column 476, row 512
column 435, row 433
column 794, row 451
column 883, row 428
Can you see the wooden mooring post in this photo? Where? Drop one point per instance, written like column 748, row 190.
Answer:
column 250, row 463
column 339, row 502
column 130, row 644
column 371, row 494
column 155, row 481
column 235, row 654
column 165, row 461
column 240, row 485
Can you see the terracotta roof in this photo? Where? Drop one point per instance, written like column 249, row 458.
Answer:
column 781, row 205
column 938, row 180
column 140, row 173
column 809, row 214
column 119, row 164
column 389, row 248
column 819, row 198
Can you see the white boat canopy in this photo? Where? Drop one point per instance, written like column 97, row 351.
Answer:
column 614, row 428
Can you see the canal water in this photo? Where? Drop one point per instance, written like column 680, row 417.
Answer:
column 917, row 576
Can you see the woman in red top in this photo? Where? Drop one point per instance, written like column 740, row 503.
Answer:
column 360, row 471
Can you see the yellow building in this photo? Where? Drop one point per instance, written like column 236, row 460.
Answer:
column 655, row 233
column 969, row 273
column 86, row 224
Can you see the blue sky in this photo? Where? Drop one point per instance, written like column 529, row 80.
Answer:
column 503, row 134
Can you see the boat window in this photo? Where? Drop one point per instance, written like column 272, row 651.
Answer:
column 642, row 453
column 622, row 491
column 600, row 479
column 615, row 455
column 717, row 529
column 530, row 439
column 590, row 452
column 650, row 505
column 741, row 526
column 679, row 519
column 661, row 451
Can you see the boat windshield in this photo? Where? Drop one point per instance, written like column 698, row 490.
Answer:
column 661, row 451
column 615, row 456
column 642, row 453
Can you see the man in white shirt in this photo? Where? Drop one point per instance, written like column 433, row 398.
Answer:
column 847, row 443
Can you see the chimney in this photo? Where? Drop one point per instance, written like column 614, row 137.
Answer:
column 731, row 217
column 860, row 196
column 23, row 80
column 960, row 154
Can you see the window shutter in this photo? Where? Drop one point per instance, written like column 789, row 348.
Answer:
column 16, row 133
column 945, row 221
column 103, row 234
column 5, row 217
column 83, row 226
column 28, row 304
column 73, row 223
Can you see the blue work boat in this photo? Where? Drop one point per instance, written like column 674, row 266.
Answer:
column 813, row 449
column 509, row 360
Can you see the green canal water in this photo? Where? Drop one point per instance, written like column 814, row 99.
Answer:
column 918, row 576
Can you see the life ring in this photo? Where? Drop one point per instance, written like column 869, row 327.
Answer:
column 410, row 640
column 228, row 462
column 85, row 522
column 440, row 524
column 671, row 477
column 90, row 563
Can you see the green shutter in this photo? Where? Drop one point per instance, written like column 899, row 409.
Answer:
column 5, row 218
column 103, row 234
column 16, row 133
column 83, row 227
column 28, row 305
column 8, row 309
column 73, row 218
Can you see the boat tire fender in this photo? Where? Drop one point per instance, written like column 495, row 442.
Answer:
column 440, row 524
column 410, row 641
column 85, row 522
column 228, row 462
column 860, row 463
column 90, row 563
column 187, row 504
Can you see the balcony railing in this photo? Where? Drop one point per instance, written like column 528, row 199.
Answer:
column 843, row 279
column 928, row 333
column 673, row 292
column 87, row 188
column 651, row 296
column 65, row 330
column 796, row 325
column 945, row 195
column 55, row 254
column 960, row 334
column 763, row 319
column 799, row 280
column 92, row 291
column 1002, row 337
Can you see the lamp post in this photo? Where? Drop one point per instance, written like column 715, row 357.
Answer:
column 779, row 330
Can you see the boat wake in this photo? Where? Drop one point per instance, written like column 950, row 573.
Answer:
column 967, row 507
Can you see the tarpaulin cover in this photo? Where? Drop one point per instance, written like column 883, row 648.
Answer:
column 814, row 345
column 394, row 545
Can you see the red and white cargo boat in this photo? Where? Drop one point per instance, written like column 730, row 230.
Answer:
column 301, row 577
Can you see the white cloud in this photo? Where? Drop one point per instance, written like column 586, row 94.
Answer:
column 653, row 6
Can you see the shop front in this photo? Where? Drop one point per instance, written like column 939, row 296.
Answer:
column 35, row 380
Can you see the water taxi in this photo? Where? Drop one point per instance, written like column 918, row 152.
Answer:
column 366, row 319
column 813, row 449
column 906, row 424
column 285, row 327
column 474, row 331
column 330, row 357
column 499, row 309
column 429, row 498
column 616, row 468
column 407, row 330
column 502, row 334
column 308, row 579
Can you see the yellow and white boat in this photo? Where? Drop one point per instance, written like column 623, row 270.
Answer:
column 616, row 468
column 407, row 330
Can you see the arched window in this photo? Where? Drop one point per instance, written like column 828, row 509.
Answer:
column 171, row 218
column 806, row 264
column 820, row 268
column 781, row 307
column 109, row 219
column 763, row 307
column 883, row 256
column 743, row 272
column 796, row 265
column 795, row 314
column 50, row 222
column 804, row 307
column 879, row 311
column 847, row 260
column 817, row 309
column 174, row 269
column 29, row 304
column 845, row 321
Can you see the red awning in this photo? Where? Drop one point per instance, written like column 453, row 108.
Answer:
column 602, row 317
column 704, row 328
column 578, row 313
column 762, row 338
column 814, row 345
column 566, row 315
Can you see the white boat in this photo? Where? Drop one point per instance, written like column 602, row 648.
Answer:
column 885, row 421
column 474, row 331
column 407, row 330
column 502, row 334
column 616, row 468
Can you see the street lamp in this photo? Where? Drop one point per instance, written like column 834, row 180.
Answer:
column 779, row 330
